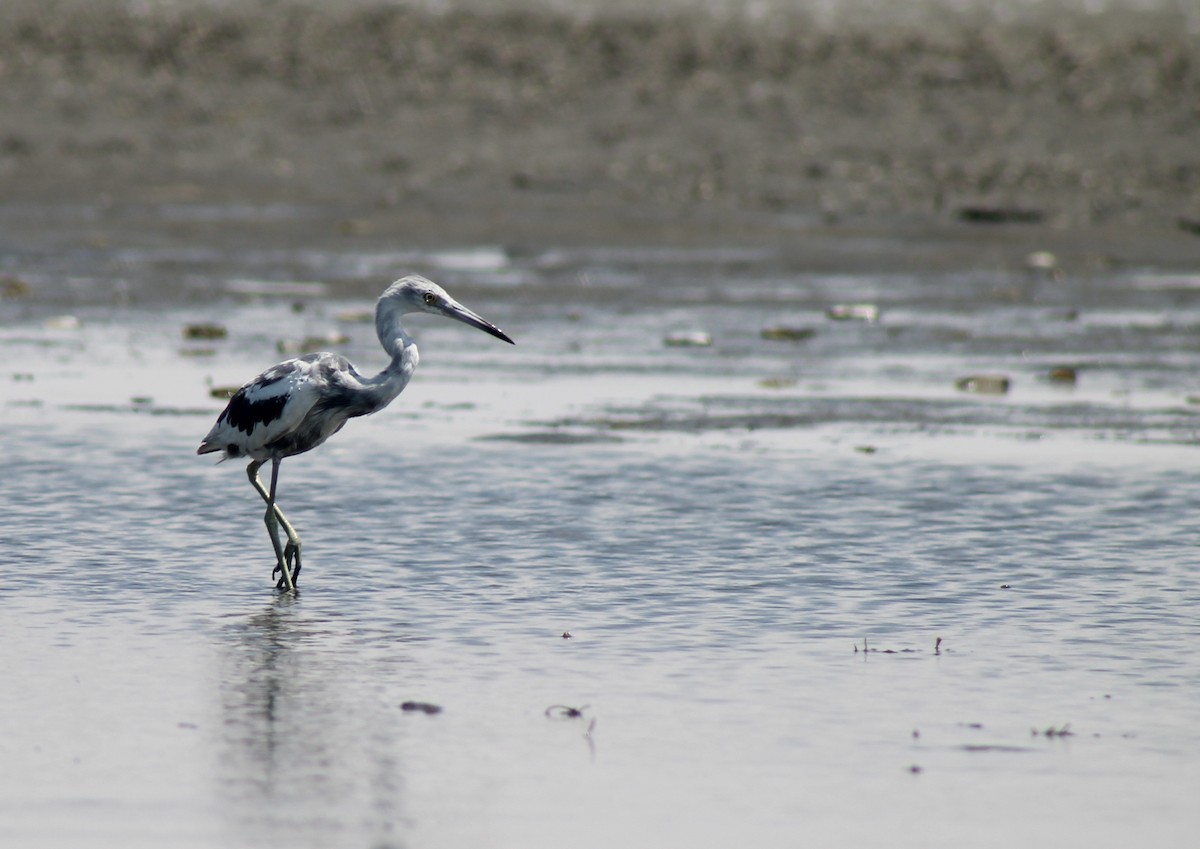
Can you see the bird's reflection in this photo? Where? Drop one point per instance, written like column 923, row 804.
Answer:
column 304, row 753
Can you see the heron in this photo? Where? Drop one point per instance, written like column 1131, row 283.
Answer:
column 296, row 405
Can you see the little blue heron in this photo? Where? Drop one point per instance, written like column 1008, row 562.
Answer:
column 296, row 405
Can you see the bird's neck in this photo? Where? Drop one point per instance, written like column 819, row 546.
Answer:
column 400, row 347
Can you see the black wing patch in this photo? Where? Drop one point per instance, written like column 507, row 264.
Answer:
column 245, row 412
column 246, row 415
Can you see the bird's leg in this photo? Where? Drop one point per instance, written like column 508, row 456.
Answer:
column 272, row 522
column 291, row 551
column 288, row 580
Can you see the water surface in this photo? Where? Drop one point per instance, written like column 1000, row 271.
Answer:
column 753, row 546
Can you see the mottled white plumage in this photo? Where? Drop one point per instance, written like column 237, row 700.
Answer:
column 296, row 405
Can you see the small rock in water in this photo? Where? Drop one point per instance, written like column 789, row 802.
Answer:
column 1042, row 261
column 1062, row 374
column 1189, row 225
column 984, row 384
column 688, row 339
column 853, row 312
column 64, row 322
column 13, row 287
column 356, row 316
column 323, row 340
column 316, row 342
column 788, row 334
column 204, row 330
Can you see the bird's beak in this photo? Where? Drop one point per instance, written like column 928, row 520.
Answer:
column 457, row 311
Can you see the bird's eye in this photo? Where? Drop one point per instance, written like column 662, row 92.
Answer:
column 430, row 298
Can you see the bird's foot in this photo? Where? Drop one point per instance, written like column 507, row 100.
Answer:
column 283, row 583
column 291, row 555
column 291, row 562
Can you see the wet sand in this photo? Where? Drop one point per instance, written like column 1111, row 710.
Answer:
column 512, row 123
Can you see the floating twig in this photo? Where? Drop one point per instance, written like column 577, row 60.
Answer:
column 428, row 708
column 565, row 712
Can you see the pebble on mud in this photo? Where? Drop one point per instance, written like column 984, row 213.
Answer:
column 984, row 384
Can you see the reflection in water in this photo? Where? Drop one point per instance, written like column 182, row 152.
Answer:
column 306, row 755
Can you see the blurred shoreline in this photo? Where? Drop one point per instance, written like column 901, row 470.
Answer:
column 511, row 122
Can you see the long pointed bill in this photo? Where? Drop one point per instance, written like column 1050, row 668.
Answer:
column 459, row 312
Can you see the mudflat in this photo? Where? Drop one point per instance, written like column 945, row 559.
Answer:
column 516, row 121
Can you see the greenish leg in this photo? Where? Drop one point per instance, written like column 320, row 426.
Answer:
column 291, row 551
column 273, row 518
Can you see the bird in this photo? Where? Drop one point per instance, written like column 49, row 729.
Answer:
column 296, row 405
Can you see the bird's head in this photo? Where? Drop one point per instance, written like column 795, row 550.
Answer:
column 415, row 293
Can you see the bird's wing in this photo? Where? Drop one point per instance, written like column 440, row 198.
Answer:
column 267, row 408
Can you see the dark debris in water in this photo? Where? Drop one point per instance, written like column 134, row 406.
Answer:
column 866, row 649
column 980, row 214
column 427, row 708
column 565, row 712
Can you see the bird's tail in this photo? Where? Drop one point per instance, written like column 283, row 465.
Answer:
column 207, row 447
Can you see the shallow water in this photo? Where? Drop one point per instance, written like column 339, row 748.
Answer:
column 721, row 530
